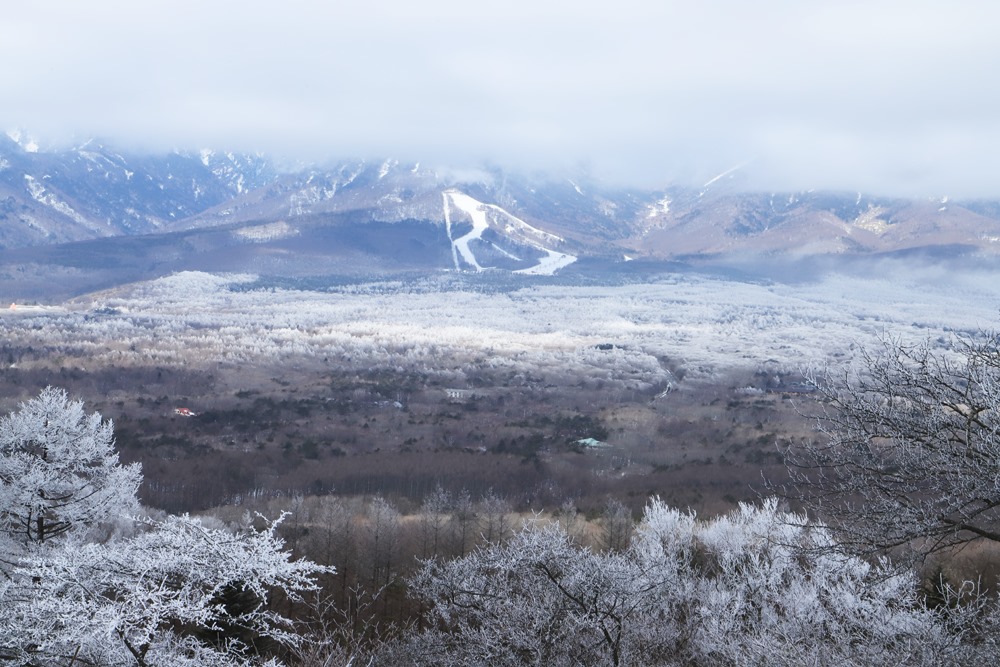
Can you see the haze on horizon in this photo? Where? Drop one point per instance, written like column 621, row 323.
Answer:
column 888, row 96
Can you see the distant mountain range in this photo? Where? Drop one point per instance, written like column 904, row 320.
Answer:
column 96, row 211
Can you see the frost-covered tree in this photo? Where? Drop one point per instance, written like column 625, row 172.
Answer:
column 494, row 518
column 382, row 543
column 434, row 512
column 177, row 593
column 910, row 447
column 149, row 592
column 59, row 470
column 536, row 599
column 333, row 539
column 756, row 587
column 760, row 586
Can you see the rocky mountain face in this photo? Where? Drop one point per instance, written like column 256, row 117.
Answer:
column 93, row 191
column 229, row 211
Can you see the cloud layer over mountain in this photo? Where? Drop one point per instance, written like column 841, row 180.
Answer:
column 885, row 96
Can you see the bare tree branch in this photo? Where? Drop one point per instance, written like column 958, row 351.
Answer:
column 907, row 452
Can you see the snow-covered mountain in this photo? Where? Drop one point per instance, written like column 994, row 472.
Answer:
column 226, row 211
column 93, row 191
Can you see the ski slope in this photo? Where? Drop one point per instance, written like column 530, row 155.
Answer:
column 513, row 228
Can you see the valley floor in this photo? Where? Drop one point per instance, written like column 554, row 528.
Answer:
column 685, row 386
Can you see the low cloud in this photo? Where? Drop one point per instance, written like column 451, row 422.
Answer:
column 886, row 96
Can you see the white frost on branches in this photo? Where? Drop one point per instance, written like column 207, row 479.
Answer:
column 59, row 470
column 755, row 587
column 158, row 592
column 143, row 599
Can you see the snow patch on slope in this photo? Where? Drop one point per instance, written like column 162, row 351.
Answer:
column 661, row 207
column 872, row 220
column 27, row 144
column 42, row 196
column 386, row 167
column 552, row 262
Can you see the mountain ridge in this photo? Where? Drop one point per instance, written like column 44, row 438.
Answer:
column 387, row 215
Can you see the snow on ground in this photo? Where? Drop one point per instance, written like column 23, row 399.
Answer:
column 515, row 228
column 477, row 213
column 27, row 144
column 386, row 167
column 662, row 207
column 30, row 309
column 515, row 224
column 266, row 232
column 43, row 196
column 549, row 264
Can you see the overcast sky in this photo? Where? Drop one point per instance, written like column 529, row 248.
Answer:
column 893, row 96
